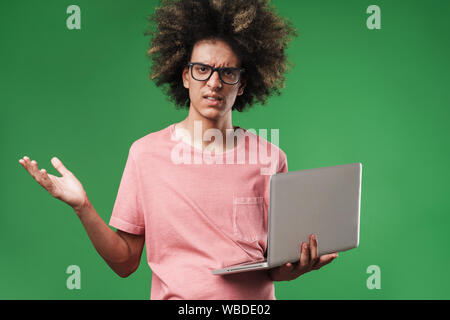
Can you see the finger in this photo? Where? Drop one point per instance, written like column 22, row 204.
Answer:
column 27, row 164
column 59, row 166
column 22, row 162
column 325, row 259
column 289, row 266
column 45, row 181
column 304, row 257
column 34, row 168
column 39, row 175
column 313, row 250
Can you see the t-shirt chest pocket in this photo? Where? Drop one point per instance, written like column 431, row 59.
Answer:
column 248, row 218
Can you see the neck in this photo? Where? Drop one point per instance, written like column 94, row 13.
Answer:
column 194, row 120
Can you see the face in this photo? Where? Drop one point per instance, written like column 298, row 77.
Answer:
column 216, row 53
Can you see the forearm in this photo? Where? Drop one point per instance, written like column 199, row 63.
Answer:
column 111, row 247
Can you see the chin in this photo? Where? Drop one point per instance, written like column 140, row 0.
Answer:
column 212, row 113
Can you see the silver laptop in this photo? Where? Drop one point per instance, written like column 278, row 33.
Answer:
column 323, row 201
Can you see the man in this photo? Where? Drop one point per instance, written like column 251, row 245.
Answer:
column 196, row 217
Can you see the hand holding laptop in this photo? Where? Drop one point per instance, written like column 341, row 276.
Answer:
column 324, row 202
column 309, row 260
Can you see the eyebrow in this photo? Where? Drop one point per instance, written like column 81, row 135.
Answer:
column 213, row 66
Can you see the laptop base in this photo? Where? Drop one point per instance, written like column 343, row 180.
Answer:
column 243, row 267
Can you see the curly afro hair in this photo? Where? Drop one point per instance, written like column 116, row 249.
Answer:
column 257, row 35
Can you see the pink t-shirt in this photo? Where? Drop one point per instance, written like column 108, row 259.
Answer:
column 197, row 217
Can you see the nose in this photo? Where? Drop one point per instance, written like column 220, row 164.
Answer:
column 214, row 81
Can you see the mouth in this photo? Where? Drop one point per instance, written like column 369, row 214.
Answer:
column 213, row 99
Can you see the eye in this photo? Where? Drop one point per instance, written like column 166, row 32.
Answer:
column 230, row 73
column 202, row 69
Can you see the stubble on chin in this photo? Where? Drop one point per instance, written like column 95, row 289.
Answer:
column 212, row 112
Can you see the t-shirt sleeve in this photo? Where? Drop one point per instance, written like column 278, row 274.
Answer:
column 127, row 213
column 283, row 167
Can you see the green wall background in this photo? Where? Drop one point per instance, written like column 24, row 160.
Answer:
column 380, row 97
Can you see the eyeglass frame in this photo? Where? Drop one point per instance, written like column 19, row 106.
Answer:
column 241, row 70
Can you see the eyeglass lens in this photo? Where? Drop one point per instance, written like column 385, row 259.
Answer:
column 201, row 72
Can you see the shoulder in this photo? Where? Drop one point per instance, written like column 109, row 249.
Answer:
column 260, row 138
column 151, row 141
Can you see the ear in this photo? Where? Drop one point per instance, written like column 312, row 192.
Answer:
column 185, row 77
column 241, row 87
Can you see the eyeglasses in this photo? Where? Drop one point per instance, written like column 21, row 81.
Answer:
column 202, row 72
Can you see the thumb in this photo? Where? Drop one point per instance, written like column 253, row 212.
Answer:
column 59, row 166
